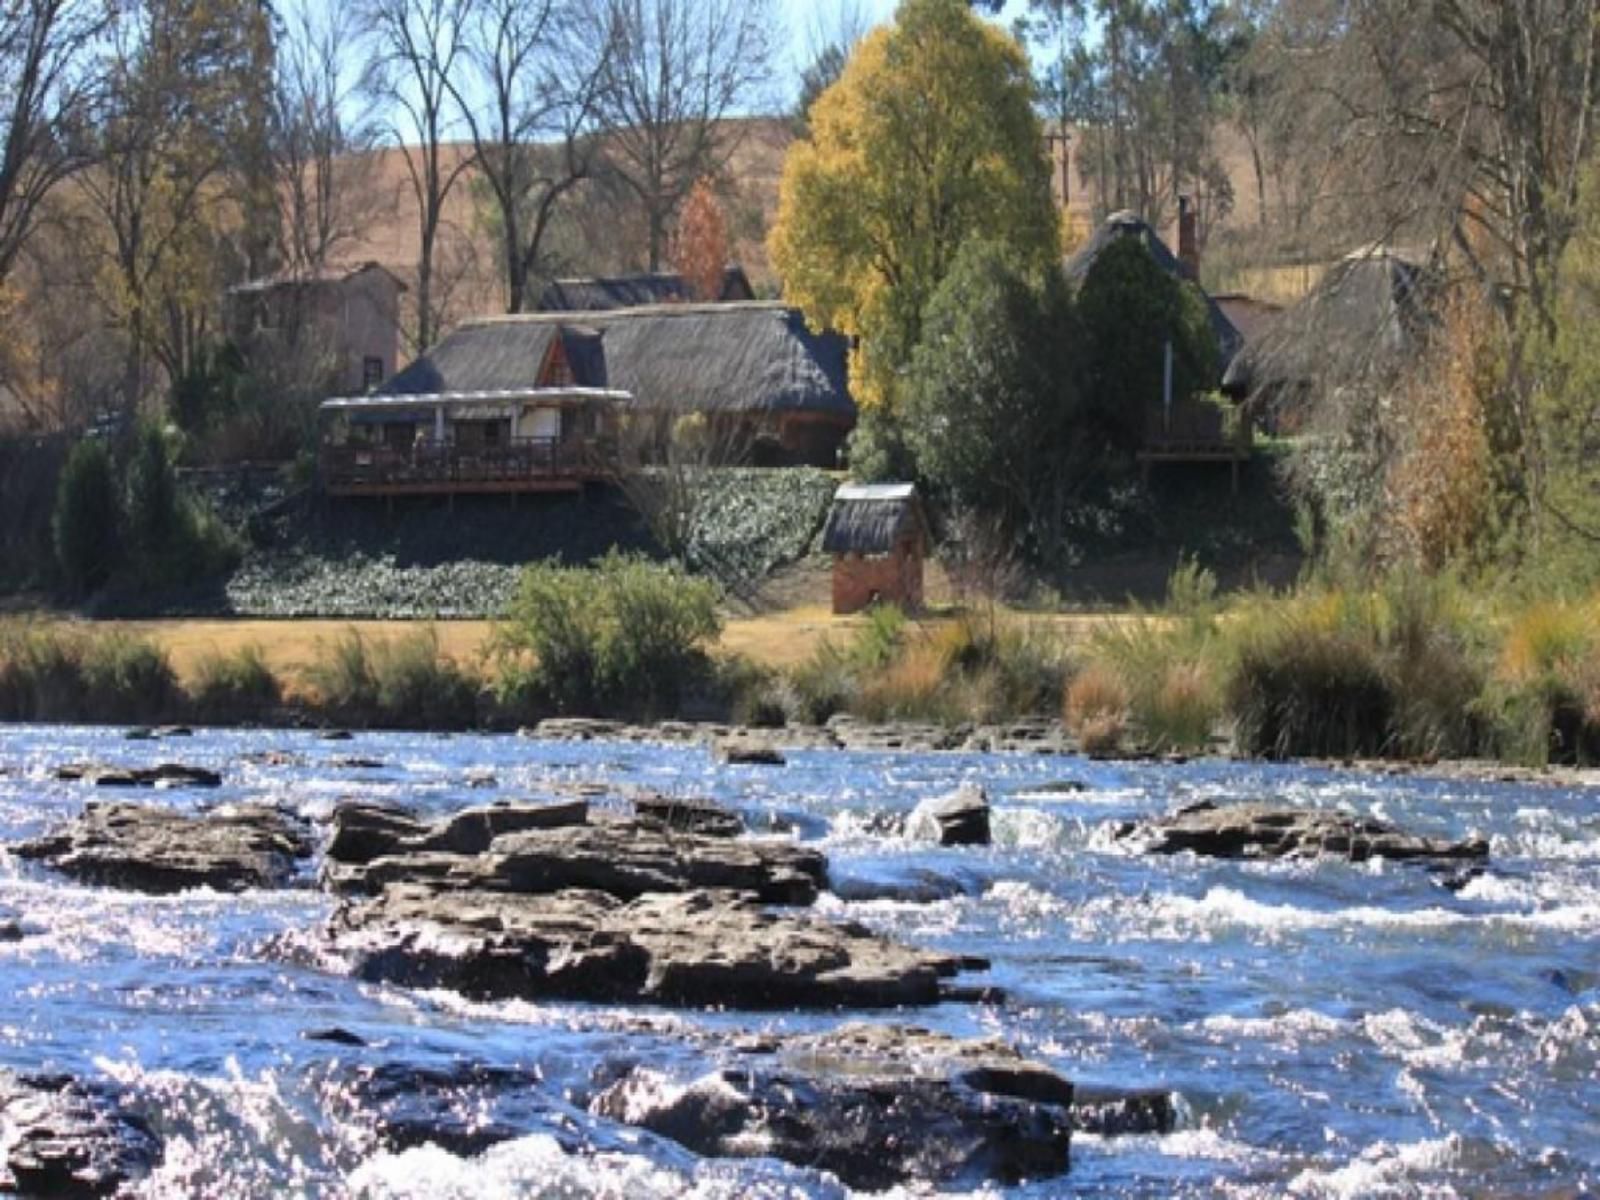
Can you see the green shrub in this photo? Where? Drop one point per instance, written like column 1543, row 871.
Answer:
column 85, row 521
column 61, row 675
column 41, row 674
column 127, row 679
column 625, row 635
column 821, row 686
column 1310, row 680
column 154, row 518
column 878, row 642
column 402, row 683
column 228, row 688
column 420, row 688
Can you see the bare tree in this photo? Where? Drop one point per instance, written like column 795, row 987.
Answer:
column 668, row 458
column 529, row 104
column 320, row 164
column 418, row 45
column 675, row 70
column 48, row 81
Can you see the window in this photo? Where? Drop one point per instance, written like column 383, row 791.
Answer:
column 371, row 371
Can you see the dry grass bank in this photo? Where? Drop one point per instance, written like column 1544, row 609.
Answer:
column 780, row 639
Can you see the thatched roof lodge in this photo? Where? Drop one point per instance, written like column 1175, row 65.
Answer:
column 1366, row 317
column 636, row 291
column 1121, row 225
column 878, row 536
column 773, row 391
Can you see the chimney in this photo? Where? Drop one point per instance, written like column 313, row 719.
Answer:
column 1188, row 238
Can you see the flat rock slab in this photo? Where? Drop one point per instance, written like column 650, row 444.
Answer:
column 688, row 815
column 373, row 848
column 739, row 753
column 62, row 1139
column 1274, row 831
column 693, row 949
column 364, row 832
column 161, row 775
column 147, row 848
column 876, row 1105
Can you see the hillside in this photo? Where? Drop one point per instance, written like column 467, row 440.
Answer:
column 468, row 269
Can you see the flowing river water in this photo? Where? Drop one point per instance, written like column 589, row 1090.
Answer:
column 1328, row 1029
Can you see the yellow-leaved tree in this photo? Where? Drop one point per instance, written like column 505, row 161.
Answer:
column 928, row 137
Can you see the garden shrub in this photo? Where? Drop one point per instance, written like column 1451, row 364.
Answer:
column 87, row 512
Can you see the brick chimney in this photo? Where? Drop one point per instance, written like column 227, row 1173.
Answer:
column 1188, row 238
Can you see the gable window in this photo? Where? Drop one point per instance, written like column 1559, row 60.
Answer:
column 371, row 371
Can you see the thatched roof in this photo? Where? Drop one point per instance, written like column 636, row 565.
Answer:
column 872, row 518
column 701, row 357
column 1127, row 225
column 1369, row 312
column 634, row 291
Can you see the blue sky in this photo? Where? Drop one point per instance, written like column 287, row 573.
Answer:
column 801, row 18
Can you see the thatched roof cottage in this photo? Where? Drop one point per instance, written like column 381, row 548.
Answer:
column 773, row 391
column 1367, row 317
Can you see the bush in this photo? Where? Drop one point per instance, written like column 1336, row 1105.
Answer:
column 57, row 675
column 154, row 519
column 1182, row 711
column 86, row 517
column 625, row 636
column 1546, row 691
column 402, row 683
column 1307, row 685
column 1096, row 710
column 228, row 688
column 127, row 679
column 41, row 676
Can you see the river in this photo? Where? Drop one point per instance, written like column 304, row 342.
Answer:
column 1328, row 1029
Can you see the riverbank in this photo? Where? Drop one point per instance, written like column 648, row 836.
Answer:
column 1415, row 670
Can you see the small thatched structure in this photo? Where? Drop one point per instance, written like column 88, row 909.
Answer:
column 636, row 291
column 878, row 536
column 754, row 368
column 1367, row 317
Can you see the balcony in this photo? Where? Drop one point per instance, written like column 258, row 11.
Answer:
column 444, row 468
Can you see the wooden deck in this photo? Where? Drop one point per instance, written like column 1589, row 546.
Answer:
column 1194, row 433
column 428, row 469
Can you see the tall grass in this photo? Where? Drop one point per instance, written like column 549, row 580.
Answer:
column 227, row 689
column 52, row 674
column 403, row 682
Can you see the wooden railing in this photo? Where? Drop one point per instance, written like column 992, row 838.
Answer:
column 433, row 466
column 1195, row 427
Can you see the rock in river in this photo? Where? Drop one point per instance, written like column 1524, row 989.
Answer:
column 550, row 848
column 1269, row 831
column 61, row 1139
column 147, row 848
column 688, row 815
column 878, row 1105
column 960, row 818
column 164, row 775
column 691, row 949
